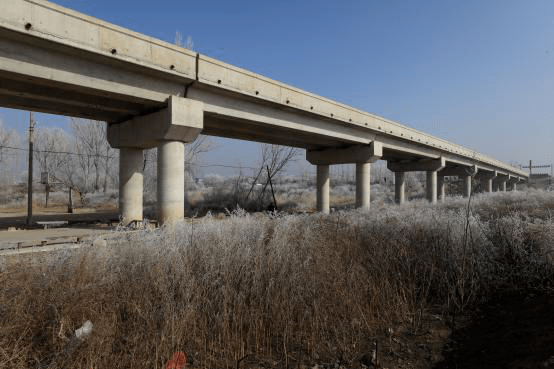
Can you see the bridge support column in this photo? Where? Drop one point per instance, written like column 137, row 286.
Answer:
column 168, row 130
column 431, row 166
column 487, row 180
column 322, row 190
column 399, row 187
column 171, row 181
column 363, row 189
column 513, row 183
column 488, row 184
column 362, row 155
column 500, row 183
column 467, row 186
column 440, row 188
column 130, row 184
column 432, row 186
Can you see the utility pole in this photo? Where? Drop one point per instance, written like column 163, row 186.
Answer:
column 531, row 166
column 30, row 173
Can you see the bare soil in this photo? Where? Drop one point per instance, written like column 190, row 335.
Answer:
column 514, row 331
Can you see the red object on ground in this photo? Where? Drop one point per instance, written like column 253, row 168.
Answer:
column 178, row 362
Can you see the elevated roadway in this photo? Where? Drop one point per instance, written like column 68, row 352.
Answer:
column 156, row 94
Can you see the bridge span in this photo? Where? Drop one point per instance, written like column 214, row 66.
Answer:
column 155, row 94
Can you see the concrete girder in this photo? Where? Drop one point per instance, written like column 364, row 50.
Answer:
column 39, row 68
column 266, row 120
column 460, row 171
column 348, row 155
column 416, row 166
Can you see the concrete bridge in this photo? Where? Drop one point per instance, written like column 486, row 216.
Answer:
column 156, row 94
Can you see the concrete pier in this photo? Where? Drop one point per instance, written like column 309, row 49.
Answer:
column 130, row 184
column 502, row 180
column 322, row 188
column 432, row 186
column 399, row 187
column 431, row 166
column 441, row 193
column 362, row 155
column 467, row 186
column 171, row 181
column 488, row 184
column 167, row 130
column 363, row 185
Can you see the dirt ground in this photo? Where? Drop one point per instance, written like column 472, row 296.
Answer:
column 52, row 226
column 515, row 331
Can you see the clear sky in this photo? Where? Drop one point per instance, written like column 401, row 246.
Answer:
column 477, row 73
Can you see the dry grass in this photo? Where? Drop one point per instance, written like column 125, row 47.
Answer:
column 284, row 288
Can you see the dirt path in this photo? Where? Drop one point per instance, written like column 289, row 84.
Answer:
column 514, row 331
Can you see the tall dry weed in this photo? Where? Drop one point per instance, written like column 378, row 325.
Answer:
column 279, row 287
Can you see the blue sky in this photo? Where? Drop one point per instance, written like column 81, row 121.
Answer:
column 478, row 73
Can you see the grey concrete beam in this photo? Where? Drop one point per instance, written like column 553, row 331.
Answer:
column 353, row 154
column 274, row 119
column 181, row 121
column 459, row 171
column 416, row 166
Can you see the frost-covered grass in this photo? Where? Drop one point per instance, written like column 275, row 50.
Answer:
column 277, row 287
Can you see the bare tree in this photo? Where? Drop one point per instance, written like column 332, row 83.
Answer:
column 273, row 158
column 194, row 150
column 276, row 157
column 9, row 139
column 95, row 155
column 51, row 148
column 187, row 43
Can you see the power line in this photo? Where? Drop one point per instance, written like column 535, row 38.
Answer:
column 58, row 152
column 112, row 157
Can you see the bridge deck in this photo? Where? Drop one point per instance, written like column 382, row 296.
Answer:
column 56, row 60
